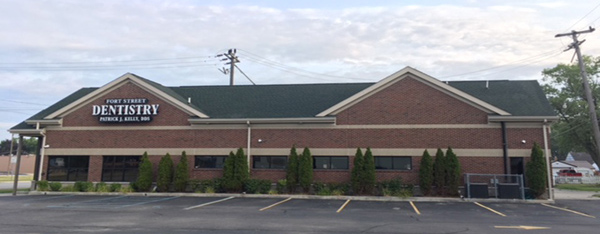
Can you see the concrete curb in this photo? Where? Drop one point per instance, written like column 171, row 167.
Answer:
column 301, row 196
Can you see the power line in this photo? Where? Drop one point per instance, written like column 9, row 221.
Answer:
column 116, row 61
column 593, row 9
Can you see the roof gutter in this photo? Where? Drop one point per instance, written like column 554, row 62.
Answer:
column 311, row 120
column 544, row 119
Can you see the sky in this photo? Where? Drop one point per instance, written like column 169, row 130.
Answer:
column 50, row 49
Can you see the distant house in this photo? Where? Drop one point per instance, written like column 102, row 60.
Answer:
column 582, row 156
column 582, row 167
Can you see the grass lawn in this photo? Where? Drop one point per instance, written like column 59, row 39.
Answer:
column 10, row 190
column 580, row 187
column 11, row 178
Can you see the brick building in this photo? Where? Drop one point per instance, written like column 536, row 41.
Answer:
column 99, row 134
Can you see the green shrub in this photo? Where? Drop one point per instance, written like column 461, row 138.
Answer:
column 257, row 186
column 102, row 187
column 369, row 179
column 453, row 174
column 83, row 186
column 144, row 180
column 357, row 171
column 291, row 175
column 327, row 189
column 42, row 185
column 426, row 173
column 165, row 173
column 395, row 187
column 182, row 174
column 321, row 189
column 439, row 172
column 68, row 188
column 55, row 186
column 282, row 186
column 126, row 189
column 305, row 170
column 536, row 171
column 235, row 172
column 114, row 187
column 209, row 189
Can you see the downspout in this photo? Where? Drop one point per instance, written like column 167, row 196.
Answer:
column 546, row 156
column 41, row 165
column 249, row 143
column 505, row 149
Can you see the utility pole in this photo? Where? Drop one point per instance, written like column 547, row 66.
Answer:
column 233, row 59
column 586, row 86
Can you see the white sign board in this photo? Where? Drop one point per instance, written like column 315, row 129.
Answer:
column 13, row 159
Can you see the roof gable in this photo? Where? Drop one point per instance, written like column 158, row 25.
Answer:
column 408, row 71
column 152, row 87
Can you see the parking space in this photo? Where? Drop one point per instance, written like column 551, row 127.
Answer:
column 242, row 213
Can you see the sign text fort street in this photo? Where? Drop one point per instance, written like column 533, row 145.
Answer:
column 125, row 110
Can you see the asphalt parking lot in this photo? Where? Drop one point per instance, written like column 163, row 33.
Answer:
column 172, row 214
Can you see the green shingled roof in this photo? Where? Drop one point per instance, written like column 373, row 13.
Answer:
column 520, row 98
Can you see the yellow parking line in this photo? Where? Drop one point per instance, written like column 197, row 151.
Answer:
column 276, row 204
column 490, row 209
column 343, row 206
column 572, row 211
column 415, row 208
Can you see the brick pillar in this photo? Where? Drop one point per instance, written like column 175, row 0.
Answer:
column 95, row 168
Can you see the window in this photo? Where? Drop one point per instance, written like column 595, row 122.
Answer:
column 209, row 161
column 334, row 162
column 68, row 168
column 120, row 168
column 393, row 163
column 269, row 162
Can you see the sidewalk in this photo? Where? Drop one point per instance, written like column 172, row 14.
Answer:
column 560, row 194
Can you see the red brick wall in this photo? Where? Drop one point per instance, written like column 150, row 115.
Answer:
column 409, row 101
column 168, row 115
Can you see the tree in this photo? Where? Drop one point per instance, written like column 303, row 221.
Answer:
column 426, row 173
column 357, row 171
column 292, row 171
column 368, row 172
column 165, row 173
column 144, row 180
column 536, row 171
column 182, row 174
column 564, row 89
column 439, row 172
column 30, row 146
column 235, row 171
column 453, row 173
column 305, row 170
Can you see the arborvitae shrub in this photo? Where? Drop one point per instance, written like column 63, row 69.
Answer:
column 453, row 172
column 182, row 174
column 305, row 170
column 357, row 171
column 368, row 174
column 144, row 180
column 292, row 171
column 536, row 171
column 439, row 172
column 165, row 173
column 426, row 173
column 235, row 172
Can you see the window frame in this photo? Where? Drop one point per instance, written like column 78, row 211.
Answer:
column 270, row 162
column 73, row 173
column 329, row 162
column 216, row 157
column 393, row 158
column 123, row 169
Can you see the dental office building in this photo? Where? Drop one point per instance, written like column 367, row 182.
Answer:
column 99, row 134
